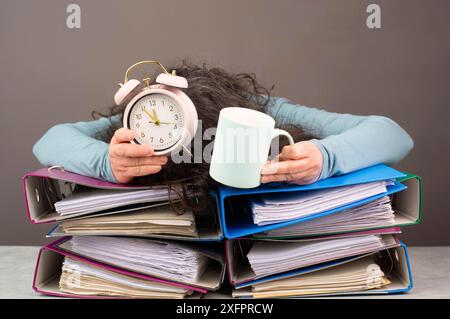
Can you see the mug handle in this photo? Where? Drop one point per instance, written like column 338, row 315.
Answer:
column 277, row 132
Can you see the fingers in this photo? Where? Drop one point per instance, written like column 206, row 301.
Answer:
column 132, row 160
column 300, row 163
column 286, row 167
column 122, row 135
column 142, row 170
column 299, row 176
column 126, row 168
column 120, row 146
column 127, row 174
column 295, row 151
column 131, row 150
column 141, row 161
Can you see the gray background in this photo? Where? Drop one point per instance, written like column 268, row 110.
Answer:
column 317, row 53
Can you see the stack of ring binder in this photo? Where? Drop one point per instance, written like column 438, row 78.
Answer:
column 329, row 240
column 120, row 241
column 338, row 236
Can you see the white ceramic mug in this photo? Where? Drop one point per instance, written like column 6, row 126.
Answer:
column 241, row 146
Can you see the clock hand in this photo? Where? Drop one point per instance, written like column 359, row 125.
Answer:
column 149, row 115
column 167, row 122
column 160, row 122
column 155, row 117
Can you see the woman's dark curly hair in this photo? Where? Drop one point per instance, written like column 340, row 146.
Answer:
column 210, row 89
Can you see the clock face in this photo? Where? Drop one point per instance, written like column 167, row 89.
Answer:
column 157, row 120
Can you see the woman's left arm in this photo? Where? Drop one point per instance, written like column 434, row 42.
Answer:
column 343, row 143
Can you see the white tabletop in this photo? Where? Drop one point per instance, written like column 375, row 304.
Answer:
column 430, row 265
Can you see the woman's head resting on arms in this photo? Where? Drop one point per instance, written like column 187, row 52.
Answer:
column 210, row 89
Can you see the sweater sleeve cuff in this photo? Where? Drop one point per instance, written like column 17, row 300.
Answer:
column 107, row 170
column 326, row 159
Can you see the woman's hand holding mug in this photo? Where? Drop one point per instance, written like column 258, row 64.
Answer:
column 300, row 163
column 241, row 147
column 131, row 160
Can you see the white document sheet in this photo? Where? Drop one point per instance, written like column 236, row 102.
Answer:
column 80, row 278
column 154, row 258
column 267, row 258
column 94, row 200
column 75, row 266
column 356, row 276
column 377, row 213
column 279, row 207
column 156, row 220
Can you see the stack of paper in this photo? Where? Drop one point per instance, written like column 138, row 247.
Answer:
column 155, row 258
column 161, row 220
column 377, row 213
column 279, row 207
column 267, row 258
column 89, row 200
column 356, row 276
column 83, row 279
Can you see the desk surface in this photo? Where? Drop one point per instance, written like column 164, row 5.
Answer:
column 431, row 275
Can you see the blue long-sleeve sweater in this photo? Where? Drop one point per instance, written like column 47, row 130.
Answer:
column 347, row 142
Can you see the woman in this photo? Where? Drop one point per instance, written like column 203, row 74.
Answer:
column 327, row 143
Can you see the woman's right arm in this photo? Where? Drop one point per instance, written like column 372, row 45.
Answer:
column 75, row 147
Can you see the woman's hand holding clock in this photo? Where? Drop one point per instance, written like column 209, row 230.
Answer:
column 131, row 160
column 142, row 125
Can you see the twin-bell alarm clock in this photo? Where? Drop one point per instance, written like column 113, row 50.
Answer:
column 160, row 115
